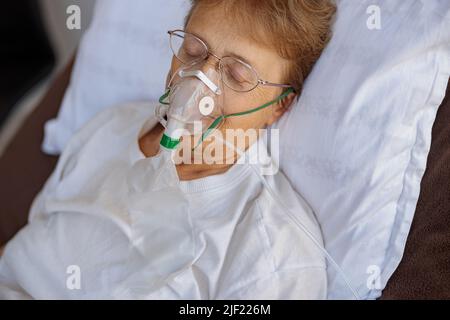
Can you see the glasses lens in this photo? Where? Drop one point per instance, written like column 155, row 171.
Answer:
column 238, row 75
column 187, row 48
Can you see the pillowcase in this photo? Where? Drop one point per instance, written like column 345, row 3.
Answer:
column 124, row 56
column 356, row 144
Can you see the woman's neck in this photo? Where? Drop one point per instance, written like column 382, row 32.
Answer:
column 149, row 146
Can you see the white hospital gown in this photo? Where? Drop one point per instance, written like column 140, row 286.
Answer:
column 92, row 234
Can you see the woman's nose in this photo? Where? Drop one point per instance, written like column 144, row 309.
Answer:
column 211, row 62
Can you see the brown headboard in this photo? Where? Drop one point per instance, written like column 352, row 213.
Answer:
column 425, row 268
column 24, row 168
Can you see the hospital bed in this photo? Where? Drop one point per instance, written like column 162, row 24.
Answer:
column 423, row 273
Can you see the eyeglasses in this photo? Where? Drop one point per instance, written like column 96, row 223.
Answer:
column 236, row 74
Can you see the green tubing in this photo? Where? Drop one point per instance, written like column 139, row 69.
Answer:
column 169, row 143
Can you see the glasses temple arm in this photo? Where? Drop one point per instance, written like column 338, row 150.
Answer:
column 271, row 84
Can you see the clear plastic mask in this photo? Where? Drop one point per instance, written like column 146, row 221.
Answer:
column 194, row 100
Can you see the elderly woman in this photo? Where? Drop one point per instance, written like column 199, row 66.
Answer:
column 113, row 222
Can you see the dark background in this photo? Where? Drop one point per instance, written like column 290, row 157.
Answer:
column 26, row 55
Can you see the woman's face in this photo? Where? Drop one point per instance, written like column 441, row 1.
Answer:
column 225, row 39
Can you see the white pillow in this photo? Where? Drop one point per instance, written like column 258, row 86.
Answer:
column 124, row 56
column 356, row 144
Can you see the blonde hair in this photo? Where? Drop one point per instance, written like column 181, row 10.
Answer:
column 298, row 29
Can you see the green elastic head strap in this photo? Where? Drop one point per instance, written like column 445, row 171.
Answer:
column 218, row 120
column 163, row 97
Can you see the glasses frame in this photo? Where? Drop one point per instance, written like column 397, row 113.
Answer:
column 260, row 82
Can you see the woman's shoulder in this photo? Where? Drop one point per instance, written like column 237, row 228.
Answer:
column 271, row 257
column 111, row 123
column 122, row 115
column 290, row 225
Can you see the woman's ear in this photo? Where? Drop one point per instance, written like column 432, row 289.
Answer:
column 281, row 107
